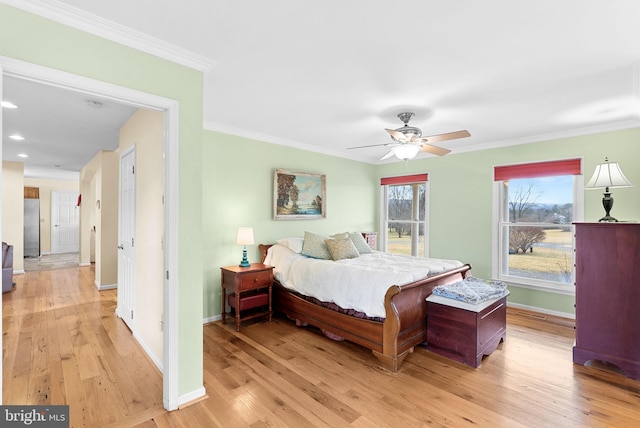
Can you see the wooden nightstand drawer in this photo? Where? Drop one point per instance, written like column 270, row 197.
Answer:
column 249, row 302
column 253, row 280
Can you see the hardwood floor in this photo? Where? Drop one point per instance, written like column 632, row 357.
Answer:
column 64, row 345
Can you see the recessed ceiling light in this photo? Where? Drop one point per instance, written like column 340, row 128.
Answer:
column 23, row 155
column 16, row 137
column 7, row 104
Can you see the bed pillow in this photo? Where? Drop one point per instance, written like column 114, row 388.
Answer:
column 314, row 246
column 294, row 244
column 360, row 243
column 344, row 235
column 342, row 249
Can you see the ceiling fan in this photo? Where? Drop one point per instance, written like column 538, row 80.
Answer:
column 408, row 140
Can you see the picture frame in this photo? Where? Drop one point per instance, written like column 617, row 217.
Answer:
column 299, row 195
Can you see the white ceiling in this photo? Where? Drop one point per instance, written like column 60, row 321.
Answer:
column 329, row 75
column 63, row 130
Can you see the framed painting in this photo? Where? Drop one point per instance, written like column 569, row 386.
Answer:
column 299, row 195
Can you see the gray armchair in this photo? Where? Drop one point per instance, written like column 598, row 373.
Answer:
column 7, row 267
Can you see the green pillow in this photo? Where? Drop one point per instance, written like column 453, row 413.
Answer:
column 360, row 243
column 314, row 246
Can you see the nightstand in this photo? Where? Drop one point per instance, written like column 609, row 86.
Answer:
column 250, row 290
column 371, row 238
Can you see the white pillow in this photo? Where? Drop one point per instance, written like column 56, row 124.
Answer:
column 294, row 244
column 344, row 235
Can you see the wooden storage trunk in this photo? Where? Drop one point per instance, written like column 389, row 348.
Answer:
column 465, row 332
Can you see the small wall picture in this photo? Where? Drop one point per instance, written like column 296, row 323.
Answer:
column 298, row 195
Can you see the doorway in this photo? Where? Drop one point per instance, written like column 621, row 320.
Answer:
column 65, row 221
column 47, row 76
column 127, row 238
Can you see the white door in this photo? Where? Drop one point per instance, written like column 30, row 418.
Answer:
column 65, row 221
column 126, row 238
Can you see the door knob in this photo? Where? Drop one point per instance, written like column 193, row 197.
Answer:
column 120, row 247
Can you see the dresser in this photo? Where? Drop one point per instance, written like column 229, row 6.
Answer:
column 608, row 295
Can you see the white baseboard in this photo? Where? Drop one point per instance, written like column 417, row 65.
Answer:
column 147, row 351
column 192, row 396
column 18, row 272
column 105, row 287
column 212, row 319
column 541, row 310
column 84, row 264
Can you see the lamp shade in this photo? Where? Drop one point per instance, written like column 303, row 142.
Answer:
column 608, row 174
column 245, row 236
column 406, row 151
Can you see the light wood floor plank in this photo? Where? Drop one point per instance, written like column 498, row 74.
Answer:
column 63, row 344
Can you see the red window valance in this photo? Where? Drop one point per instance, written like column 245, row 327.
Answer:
column 538, row 169
column 405, row 179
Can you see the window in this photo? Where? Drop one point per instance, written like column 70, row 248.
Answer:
column 536, row 204
column 404, row 215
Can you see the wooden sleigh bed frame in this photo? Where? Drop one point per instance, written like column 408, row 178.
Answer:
column 391, row 340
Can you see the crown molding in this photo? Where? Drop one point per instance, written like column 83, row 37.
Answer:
column 576, row 132
column 77, row 18
column 569, row 133
column 225, row 129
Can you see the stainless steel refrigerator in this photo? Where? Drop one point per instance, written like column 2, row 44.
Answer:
column 31, row 227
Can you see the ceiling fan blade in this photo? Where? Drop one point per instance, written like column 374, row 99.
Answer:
column 434, row 150
column 397, row 135
column 446, row 137
column 364, row 147
column 387, row 156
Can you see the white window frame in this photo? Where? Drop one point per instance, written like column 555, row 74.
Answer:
column 497, row 250
column 384, row 212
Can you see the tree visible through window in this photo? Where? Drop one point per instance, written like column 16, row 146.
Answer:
column 404, row 215
column 536, row 209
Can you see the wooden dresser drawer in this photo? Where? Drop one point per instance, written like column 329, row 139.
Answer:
column 253, row 280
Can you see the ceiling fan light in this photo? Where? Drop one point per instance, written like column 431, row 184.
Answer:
column 406, row 151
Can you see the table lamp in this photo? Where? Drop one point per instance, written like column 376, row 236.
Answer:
column 245, row 237
column 606, row 175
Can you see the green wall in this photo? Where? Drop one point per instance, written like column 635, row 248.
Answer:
column 461, row 197
column 227, row 181
column 238, row 191
column 56, row 46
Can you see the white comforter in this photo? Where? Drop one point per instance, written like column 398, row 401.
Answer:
column 359, row 283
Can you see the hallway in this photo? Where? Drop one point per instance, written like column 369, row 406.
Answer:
column 51, row 261
column 63, row 344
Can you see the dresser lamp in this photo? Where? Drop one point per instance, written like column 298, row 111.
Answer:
column 245, row 237
column 606, row 175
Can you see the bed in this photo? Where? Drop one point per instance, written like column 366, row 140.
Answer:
column 390, row 337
